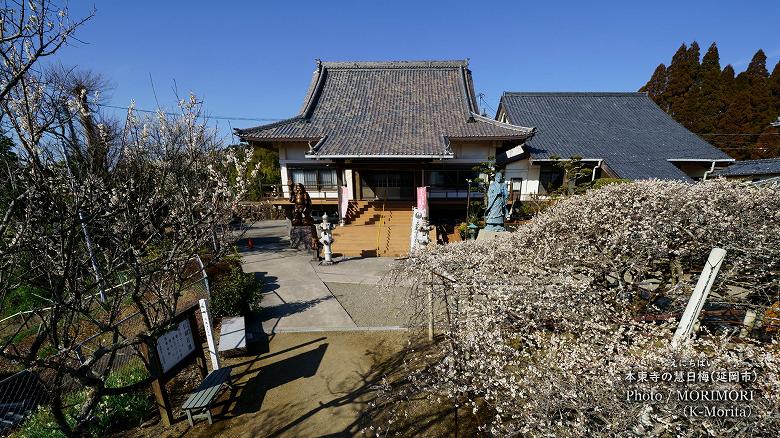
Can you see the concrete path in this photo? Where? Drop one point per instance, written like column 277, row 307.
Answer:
column 370, row 271
column 294, row 297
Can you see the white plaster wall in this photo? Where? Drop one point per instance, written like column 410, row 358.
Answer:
column 478, row 152
column 285, row 177
column 291, row 154
column 471, row 152
column 528, row 172
column 350, row 180
column 295, row 151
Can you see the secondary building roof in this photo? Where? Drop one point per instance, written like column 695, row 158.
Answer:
column 634, row 137
column 392, row 109
column 768, row 166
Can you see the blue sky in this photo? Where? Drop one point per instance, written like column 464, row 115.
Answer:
column 255, row 59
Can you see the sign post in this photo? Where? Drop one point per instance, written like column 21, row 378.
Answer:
column 206, row 317
column 699, row 295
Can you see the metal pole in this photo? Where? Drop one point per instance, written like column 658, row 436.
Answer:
column 468, row 200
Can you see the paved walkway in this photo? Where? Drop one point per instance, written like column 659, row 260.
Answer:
column 368, row 271
column 301, row 295
column 294, row 297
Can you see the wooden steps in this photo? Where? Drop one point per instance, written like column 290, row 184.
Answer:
column 372, row 232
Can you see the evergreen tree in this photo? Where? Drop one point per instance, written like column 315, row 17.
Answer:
column 774, row 88
column 714, row 102
column 710, row 94
column 757, row 66
column 682, row 78
column 738, row 115
column 656, row 86
column 768, row 144
column 756, row 83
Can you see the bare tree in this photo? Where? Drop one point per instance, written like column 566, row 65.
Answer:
column 87, row 91
column 29, row 31
column 102, row 208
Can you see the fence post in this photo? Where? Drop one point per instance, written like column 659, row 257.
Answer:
column 206, row 316
column 699, row 295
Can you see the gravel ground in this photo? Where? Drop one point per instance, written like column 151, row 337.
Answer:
column 373, row 305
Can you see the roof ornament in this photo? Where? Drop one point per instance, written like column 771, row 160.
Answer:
column 447, row 147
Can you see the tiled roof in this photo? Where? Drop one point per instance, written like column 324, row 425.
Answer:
column 396, row 109
column 634, row 137
column 768, row 166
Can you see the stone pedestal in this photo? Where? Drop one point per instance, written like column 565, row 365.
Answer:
column 304, row 237
column 489, row 235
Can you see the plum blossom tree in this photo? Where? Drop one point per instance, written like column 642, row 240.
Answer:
column 547, row 328
column 101, row 239
column 29, row 32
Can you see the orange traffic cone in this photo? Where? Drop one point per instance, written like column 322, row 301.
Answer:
column 249, row 244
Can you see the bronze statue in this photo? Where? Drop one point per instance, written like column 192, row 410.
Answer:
column 301, row 201
column 497, row 197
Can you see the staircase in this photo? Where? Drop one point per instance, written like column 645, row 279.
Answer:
column 372, row 232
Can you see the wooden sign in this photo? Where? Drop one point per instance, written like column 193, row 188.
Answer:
column 172, row 352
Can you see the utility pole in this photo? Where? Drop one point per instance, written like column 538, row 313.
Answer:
column 87, row 238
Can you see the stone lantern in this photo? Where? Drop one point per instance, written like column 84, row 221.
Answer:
column 326, row 238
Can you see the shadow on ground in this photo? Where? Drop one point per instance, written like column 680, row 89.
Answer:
column 257, row 382
column 286, row 309
column 342, row 407
column 329, row 385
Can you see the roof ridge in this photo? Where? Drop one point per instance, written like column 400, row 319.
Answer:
column 422, row 64
column 575, row 93
column 268, row 125
column 524, row 129
column 758, row 160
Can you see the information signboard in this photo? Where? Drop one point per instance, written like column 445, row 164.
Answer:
column 175, row 345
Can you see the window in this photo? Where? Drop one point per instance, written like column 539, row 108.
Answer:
column 550, row 177
column 315, row 179
column 454, row 179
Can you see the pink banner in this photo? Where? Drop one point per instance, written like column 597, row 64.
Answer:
column 422, row 198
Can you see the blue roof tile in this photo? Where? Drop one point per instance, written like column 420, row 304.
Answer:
column 634, row 137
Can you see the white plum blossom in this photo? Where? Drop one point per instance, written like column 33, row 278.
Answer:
column 543, row 326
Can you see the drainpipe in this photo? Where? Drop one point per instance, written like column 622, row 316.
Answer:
column 706, row 173
column 593, row 175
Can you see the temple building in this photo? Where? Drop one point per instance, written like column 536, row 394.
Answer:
column 618, row 135
column 370, row 133
column 374, row 139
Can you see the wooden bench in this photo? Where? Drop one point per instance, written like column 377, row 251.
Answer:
column 198, row 405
